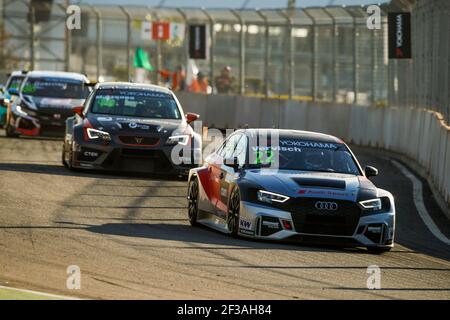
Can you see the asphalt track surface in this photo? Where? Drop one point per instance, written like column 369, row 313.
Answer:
column 130, row 237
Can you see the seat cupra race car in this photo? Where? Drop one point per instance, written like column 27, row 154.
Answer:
column 291, row 185
column 45, row 100
column 11, row 91
column 132, row 127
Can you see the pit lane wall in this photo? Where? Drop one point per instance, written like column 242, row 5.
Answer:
column 420, row 135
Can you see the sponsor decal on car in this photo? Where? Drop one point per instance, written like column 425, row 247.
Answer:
column 57, row 103
column 330, row 194
column 247, row 232
column 91, row 154
column 271, row 225
column 104, row 119
column 135, row 125
column 307, row 144
column 244, row 224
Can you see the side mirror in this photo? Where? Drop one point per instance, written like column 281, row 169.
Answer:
column 232, row 163
column 191, row 117
column 78, row 110
column 370, row 171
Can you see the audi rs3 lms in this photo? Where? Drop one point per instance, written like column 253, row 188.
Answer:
column 132, row 127
column 291, row 185
column 45, row 100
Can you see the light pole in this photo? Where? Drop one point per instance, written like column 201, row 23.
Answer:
column 291, row 8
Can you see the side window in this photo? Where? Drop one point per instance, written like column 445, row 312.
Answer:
column 241, row 150
column 230, row 146
column 88, row 101
column 221, row 149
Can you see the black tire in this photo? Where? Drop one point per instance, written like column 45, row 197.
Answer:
column 193, row 192
column 377, row 250
column 63, row 156
column 10, row 132
column 70, row 162
column 234, row 207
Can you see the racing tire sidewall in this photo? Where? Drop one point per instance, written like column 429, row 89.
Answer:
column 234, row 230
column 193, row 215
column 63, row 156
column 70, row 161
column 10, row 131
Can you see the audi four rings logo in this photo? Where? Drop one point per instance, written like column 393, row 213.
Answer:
column 330, row 206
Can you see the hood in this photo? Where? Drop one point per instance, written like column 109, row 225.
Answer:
column 324, row 185
column 49, row 104
column 137, row 126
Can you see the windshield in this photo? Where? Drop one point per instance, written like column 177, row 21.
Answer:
column 55, row 88
column 136, row 103
column 15, row 83
column 307, row 156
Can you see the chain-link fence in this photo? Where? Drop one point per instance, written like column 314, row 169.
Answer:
column 320, row 54
column 423, row 81
column 430, row 68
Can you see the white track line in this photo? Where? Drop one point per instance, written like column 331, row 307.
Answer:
column 420, row 206
column 49, row 295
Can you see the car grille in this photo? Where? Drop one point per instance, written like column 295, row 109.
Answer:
column 142, row 153
column 52, row 131
column 308, row 219
column 141, row 141
column 144, row 160
column 63, row 113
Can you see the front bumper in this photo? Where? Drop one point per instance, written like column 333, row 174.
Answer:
column 38, row 125
column 113, row 157
column 259, row 221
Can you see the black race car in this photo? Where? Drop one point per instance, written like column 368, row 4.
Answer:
column 44, row 101
column 291, row 185
column 131, row 127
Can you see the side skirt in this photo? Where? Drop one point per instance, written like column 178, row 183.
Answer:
column 212, row 221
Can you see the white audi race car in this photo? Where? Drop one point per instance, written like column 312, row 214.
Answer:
column 291, row 185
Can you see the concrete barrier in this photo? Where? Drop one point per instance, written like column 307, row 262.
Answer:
column 419, row 134
column 446, row 185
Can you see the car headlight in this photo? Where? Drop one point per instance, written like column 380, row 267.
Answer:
column 269, row 197
column 377, row 205
column 182, row 139
column 97, row 134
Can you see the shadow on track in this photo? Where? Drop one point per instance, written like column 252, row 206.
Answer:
column 41, row 138
column 204, row 235
column 54, row 169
